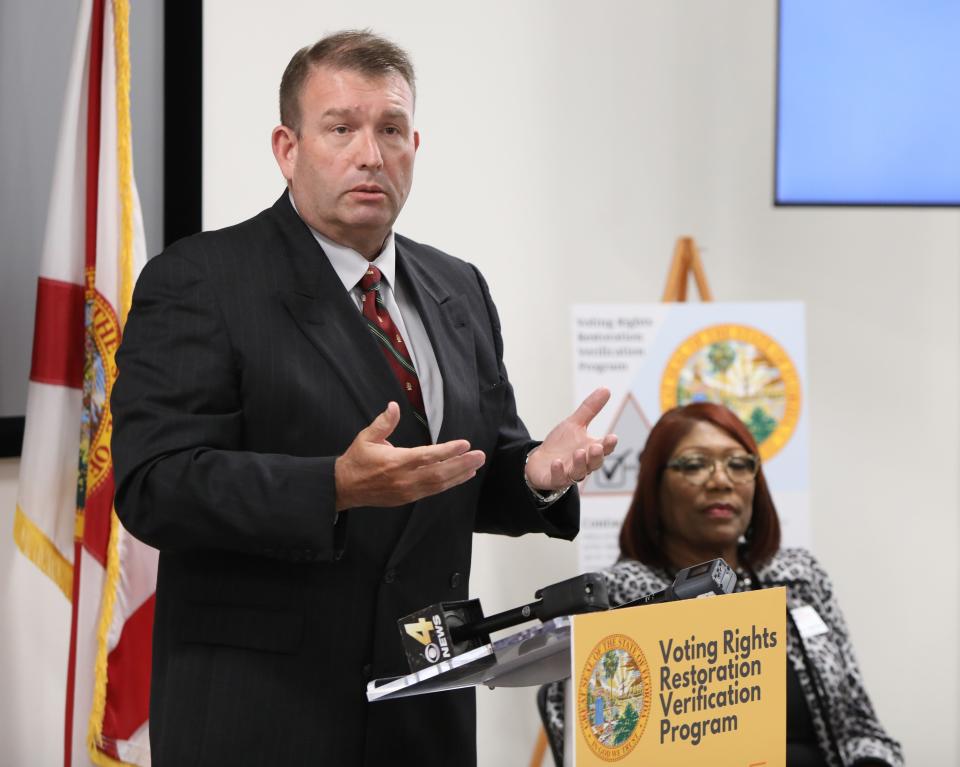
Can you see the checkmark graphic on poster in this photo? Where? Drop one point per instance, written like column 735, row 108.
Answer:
column 611, row 465
column 618, row 475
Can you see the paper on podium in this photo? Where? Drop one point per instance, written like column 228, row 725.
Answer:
column 533, row 656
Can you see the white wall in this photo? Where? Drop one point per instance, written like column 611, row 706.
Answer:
column 565, row 146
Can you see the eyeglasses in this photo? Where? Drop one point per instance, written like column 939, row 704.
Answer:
column 697, row 468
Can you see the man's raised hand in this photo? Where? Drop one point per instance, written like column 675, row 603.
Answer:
column 372, row 472
column 569, row 454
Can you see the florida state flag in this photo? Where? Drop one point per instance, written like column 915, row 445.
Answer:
column 93, row 251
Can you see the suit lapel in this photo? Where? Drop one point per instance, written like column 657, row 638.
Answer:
column 326, row 315
column 328, row 319
column 445, row 318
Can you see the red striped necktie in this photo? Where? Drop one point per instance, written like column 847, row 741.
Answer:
column 391, row 343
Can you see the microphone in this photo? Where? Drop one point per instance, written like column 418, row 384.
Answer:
column 703, row 580
column 444, row 630
column 583, row 594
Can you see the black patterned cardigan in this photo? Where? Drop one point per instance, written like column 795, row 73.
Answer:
column 847, row 728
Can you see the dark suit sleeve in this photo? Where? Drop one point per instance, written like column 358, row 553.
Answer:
column 182, row 480
column 507, row 507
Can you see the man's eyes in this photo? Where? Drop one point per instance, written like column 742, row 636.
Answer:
column 390, row 130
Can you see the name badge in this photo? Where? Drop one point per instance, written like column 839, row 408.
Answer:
column 808, row 622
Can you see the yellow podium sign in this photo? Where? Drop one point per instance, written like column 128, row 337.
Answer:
column 698, row 682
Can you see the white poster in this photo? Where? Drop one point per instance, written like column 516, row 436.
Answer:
column 750, row 357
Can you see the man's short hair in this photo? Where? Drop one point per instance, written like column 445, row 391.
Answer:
column 358, row 50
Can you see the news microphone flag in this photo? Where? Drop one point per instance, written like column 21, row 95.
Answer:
column 93, row 250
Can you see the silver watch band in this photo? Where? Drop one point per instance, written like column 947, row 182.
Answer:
column 540, row 495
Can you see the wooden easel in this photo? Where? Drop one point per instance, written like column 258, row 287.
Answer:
column 686, row 259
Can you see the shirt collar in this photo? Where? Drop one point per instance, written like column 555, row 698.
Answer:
column 350, row 265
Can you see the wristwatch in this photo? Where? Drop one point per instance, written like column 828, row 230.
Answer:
column 543, row 498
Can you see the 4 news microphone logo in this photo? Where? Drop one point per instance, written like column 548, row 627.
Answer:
column 427, row 633
column 423, row 631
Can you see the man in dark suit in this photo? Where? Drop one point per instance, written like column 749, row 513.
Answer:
column 310, row 457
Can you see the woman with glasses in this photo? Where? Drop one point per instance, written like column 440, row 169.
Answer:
column 701, row 494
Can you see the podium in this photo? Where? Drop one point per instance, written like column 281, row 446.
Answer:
column 692, row 682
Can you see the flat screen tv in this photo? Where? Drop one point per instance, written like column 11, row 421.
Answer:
column 868, row 103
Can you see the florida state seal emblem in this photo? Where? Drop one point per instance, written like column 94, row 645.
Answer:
column 745, row 370
column 613, row 697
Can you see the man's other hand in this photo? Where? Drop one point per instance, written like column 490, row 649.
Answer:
column 569, row 454
column 372, row 472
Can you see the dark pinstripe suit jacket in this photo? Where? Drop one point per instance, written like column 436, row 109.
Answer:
column 245, row 370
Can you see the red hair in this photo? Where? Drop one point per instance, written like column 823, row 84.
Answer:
column 641, row 536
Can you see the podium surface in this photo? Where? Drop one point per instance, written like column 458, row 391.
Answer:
column 533, row 656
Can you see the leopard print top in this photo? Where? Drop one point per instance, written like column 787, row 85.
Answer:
column 843, row 717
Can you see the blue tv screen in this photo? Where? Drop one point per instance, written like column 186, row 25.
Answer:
column 868, row 102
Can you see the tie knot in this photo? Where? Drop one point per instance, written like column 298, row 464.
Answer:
column 370, row 280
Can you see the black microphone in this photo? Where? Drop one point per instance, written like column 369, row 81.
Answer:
column 705, row 579
column 442, row 631
column 583, row 594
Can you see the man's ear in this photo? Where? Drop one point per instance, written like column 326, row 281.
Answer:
column 416, row 140
column 284, row 143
